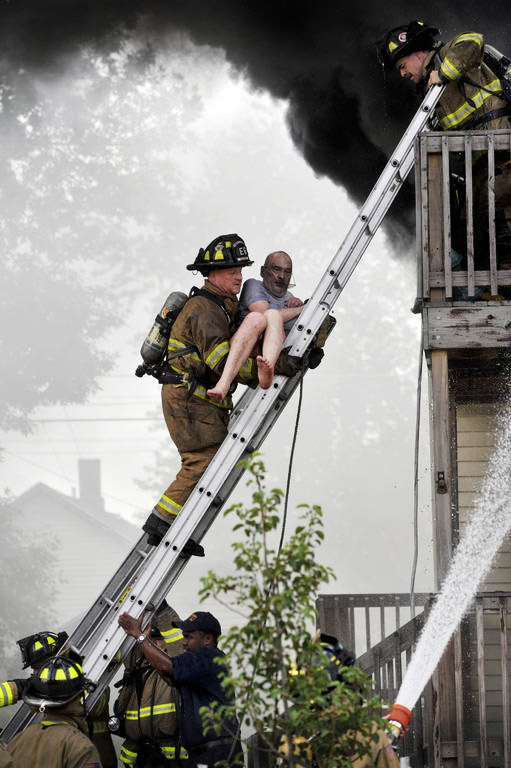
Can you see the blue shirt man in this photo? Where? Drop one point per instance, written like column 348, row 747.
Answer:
column 198, row 677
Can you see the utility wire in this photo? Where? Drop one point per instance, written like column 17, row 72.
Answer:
column 71, row 430
column 92, row 418
column 290, row 465
column 49, row 441
column 69, row 480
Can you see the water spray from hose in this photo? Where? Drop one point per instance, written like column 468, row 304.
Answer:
column 490, row 522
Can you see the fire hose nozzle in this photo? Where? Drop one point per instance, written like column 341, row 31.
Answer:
column 399, row 719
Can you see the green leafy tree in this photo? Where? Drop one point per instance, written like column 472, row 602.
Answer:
column 28, row 607
column 280, row 673
column 89, row 185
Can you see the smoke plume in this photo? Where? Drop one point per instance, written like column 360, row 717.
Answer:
column 343, row 115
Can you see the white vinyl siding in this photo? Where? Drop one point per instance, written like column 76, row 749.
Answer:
column 476, row 437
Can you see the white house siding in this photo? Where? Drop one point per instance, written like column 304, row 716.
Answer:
column 476, row 425
column 476, row 438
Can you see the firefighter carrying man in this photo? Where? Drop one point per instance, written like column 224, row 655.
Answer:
column 474, row 99
column 147, row 710
column 59, row 740
column 35, row 651
column 197, row 352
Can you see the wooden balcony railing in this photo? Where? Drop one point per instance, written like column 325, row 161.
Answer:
column 463, row 716
column 456, row 175
column 362, row 621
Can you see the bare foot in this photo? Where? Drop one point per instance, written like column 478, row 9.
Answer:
column 264, row 372
column 218, row 392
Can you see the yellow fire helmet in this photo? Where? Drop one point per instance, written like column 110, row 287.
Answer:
column 58, row 682
column 41, row 646
column 224, row 252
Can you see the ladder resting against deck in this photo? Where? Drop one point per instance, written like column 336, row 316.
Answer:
column 456, row 176
column 147, row 574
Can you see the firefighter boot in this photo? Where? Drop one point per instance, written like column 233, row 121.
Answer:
column 156, row 528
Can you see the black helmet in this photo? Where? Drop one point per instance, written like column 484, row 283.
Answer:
column 401, row 41
column 336, row 654
column 59, row 681
column 41, row 646
column 225, row 251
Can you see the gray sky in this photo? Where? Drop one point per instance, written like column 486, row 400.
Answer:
column 196, row 152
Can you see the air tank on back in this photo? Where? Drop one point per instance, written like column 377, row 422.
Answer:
column 155, row 344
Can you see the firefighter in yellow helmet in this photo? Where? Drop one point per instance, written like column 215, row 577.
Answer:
column 146, row 712
column 59, row 740
column 35, row 650
column 197, row 352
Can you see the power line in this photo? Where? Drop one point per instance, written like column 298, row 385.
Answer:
column 35, row 440
column 98, row 418
column 77, row 452
column 70, row 481
column 116, row 402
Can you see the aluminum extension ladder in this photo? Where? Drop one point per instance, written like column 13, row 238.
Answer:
column 148, row 573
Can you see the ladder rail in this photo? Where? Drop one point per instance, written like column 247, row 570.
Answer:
column 147, row 574
column 368, row 220
column 200, row 510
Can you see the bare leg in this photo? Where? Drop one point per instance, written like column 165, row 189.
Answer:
column 272, row 344
column 240, row 346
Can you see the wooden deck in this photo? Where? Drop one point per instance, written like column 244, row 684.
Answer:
column 450, row 215
column 453, row 317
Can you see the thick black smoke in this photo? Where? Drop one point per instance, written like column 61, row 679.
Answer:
column 319, row 55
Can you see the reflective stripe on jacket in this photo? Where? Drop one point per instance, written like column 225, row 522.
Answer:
column 154, row 714
column 97, row 718
column 148, row 703
column 204, row 325
column 461, row 103
column 129, row 752
column 8, row 693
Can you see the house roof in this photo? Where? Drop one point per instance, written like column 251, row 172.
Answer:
column 40, row 493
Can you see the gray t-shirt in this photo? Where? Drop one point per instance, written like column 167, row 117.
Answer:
column 254, row 290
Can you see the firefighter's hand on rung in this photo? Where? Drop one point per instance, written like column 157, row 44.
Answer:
column 434, row 78
column 131, row 625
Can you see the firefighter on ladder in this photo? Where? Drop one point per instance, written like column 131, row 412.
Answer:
column 198, row 349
